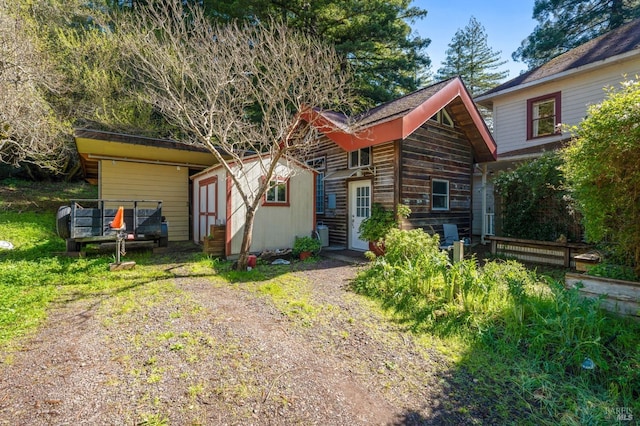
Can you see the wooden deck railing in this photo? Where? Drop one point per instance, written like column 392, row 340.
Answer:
column 541, row 252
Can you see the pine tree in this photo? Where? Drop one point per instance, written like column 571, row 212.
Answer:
column 470, row 57
column 565, row 24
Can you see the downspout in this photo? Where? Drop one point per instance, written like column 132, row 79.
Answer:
column 484, row 204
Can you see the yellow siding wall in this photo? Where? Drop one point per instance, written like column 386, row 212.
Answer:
column 127, row 181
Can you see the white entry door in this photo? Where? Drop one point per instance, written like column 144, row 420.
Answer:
column 208, row 194
column 359, row 209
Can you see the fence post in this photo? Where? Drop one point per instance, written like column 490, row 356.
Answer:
column 458, row 251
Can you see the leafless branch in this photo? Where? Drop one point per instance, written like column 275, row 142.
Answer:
column 29, row 130
column 236, row 88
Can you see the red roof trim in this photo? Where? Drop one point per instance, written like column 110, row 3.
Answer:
column 405, row 125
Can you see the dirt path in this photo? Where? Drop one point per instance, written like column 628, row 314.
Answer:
column 191, row 351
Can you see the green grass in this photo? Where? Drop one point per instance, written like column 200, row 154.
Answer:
column 520, row 334
column 33, row 276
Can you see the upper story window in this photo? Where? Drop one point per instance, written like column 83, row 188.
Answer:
column 360, row 158
column 439, row 194
column 278, row 192
column 543, row 115
column 443, row 117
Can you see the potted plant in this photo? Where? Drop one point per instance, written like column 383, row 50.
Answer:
column 376, row 226
column 304, row 247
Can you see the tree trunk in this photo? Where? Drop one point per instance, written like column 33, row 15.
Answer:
column 246, row 239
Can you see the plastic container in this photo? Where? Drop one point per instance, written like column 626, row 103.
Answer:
column 323, row 232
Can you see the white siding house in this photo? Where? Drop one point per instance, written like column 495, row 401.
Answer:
column 529, row 110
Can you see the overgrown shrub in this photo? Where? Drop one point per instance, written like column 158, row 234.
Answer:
column 535, row 203
column 602, row 169
column 548, row 337
column 617, row 272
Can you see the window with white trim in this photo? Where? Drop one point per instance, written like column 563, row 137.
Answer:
column 278, row 192
column 439, row 194
column 360, row 158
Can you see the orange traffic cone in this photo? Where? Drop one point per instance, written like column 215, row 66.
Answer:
column 118, row 221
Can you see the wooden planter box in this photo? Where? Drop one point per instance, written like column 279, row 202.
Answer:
column 585, row 260
column 214, row 243
column 622, row 297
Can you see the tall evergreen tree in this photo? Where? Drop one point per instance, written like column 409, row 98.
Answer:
column 470, row 57
column 372, row 36
column 565, row 24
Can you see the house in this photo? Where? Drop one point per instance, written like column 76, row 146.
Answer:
column 528, row 110
column 127, row 167
column 419, row 150
column 286, row 211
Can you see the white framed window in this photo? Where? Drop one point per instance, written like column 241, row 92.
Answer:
column 278, row 192
column 439, row 194
column 360, row 158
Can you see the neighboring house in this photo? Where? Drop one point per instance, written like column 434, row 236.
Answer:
column 287, row 210
column 528, row 110
column 127, row 167
column 418, row 150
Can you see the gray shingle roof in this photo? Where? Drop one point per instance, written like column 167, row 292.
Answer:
column 622, row 40
column 398, row 107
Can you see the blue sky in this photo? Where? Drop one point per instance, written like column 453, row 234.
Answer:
column 506, row 23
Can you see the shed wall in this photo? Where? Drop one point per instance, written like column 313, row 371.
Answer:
column 127, row 181
column 274, row 227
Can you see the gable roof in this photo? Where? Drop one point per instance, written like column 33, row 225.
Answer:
column 616, row 44
column 399, row 118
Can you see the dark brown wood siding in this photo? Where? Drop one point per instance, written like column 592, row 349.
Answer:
column 403, row 174
column 384, row 180
column 335, row 219
column 383, row 185
column 437, row 152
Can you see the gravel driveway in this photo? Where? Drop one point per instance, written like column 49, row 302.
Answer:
column 195, row 350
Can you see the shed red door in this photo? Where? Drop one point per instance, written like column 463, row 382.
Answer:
column 207, row 205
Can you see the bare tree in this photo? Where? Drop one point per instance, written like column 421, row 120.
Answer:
column 29, row 129
column 234, row 88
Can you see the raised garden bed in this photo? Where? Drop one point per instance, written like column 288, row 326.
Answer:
column 622, row 297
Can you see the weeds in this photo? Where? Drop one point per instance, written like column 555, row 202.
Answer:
column 518, row 330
